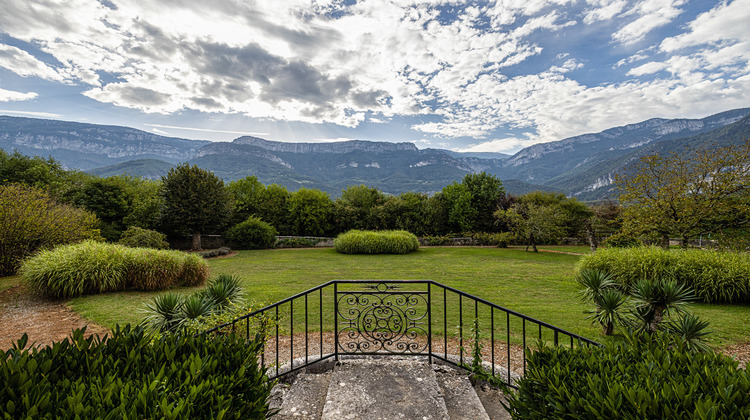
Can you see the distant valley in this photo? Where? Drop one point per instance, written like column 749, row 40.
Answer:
column 582, row 166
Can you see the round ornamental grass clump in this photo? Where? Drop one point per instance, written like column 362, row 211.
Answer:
column 715, row 276
column 95, row 267
column 376, row 242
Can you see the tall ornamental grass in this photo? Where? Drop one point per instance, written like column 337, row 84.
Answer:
column 376, row 242
column 95, row 267
column 715, row 276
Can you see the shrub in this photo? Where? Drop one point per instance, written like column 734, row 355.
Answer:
column 645, row 378
column 213, row 253
column 130, row 375
column 715, row 276
column 622, row 240
column 296, row 243
column 95, row 267
column 30, row 220
column 253, row 233
column 438, row 240
column 136, row 237
column 169, row 312
column 370, row 242
column 500, row 240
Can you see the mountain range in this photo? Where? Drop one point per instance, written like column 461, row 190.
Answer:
column 582, row 166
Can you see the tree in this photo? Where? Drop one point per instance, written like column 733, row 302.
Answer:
column 195, row 199
column 34, row 171
column 693, row 193
column 533, row 223
column 109, row 199
column 461, row 215
column 310, row 212
column 356, row 208
column 30, row 220
column 486, row 192
column 407, row 211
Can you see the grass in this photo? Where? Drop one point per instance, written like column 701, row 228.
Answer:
column 9, row 282
column 539, row 285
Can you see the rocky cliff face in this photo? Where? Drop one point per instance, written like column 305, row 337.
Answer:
column 337, row 147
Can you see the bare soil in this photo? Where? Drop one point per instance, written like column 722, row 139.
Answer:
column 45, row 321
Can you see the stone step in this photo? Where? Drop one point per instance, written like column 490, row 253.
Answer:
column 460, row 398
column 303, row 399
column 384, row 388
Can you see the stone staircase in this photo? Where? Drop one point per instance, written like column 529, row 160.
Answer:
column 385, row 388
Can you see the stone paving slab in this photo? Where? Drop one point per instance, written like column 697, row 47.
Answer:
column 460, row 398
column 384, row 389
column 304, row 399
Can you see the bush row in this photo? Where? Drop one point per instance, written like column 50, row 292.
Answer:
column 129, row 376
column 380, row 242
column 715, row 276
column 641, row 379
column 96, row 267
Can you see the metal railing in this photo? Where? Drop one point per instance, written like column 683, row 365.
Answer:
column 396, row 317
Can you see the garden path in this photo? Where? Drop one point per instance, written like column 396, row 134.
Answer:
column 44, row 321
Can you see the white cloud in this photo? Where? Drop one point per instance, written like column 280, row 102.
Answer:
column 31, row 113
column 651, row 15
column 500, row 145
column 11, row 96
column 603, row 10
column 207, row 130
column 648, row 68
column 25, row 65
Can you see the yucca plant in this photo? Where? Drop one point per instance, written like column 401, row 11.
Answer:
column 594, row 283
column 610, row 305
column 691, row 331
column 164, row 312
column 223, row 290
column 195, row 306
column 662, row 297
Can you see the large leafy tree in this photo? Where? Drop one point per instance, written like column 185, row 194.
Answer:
column 487, row 193
column 687, row 194
column 195, row 199
column 357, row 208
column 310, row 212
column 533, row 223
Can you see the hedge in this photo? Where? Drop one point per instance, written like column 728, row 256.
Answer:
column 648, row 379
column 715, row 276
column 132, row 376
column 253, row 233
column 372, row 242
column 96, row 267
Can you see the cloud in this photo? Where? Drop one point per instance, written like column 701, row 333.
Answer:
column 603, row 10
column 12, row 96
column 648, row 68
column 31, row 113
column 207, row 130
column 499, row 145
column 25, row 65
column 651, row 14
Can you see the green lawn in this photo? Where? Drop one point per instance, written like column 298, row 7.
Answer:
column 539, row 285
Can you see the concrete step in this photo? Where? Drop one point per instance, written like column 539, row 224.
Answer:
column 384, row 388
column 303, row 399
column 460, row 398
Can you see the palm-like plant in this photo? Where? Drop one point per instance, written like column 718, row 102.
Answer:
column 691, row 331
column 223, row 290
column 609, row 310
column 195, row 306
column 594, row 283
column 662, row 297
column 163, row 313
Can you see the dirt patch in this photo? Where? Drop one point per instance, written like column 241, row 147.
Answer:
column 740, row 352
column 45, row 321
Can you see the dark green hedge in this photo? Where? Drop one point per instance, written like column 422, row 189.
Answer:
column 376, row 242
column 253, row 233
column 128, row 376
column 637, row 380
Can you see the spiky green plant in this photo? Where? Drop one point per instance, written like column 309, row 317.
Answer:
column 663, row 297
column 691, row 331
column 163, row 312
column 610, row 310
column 594, row 283
column 223, row 290
column 195, row 306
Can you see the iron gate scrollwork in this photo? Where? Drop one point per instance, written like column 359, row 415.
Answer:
column 380, row 318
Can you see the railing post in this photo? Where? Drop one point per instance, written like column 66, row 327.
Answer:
column 429, row 323
column 336, row 321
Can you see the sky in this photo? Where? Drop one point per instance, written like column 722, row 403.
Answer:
column 487, row 76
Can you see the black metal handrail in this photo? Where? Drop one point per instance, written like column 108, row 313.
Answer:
column 396, row 317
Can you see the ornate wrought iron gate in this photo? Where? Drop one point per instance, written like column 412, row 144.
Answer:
column 383, row 318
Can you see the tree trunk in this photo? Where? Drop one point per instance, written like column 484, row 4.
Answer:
column 665, row 241
column 608, row 328
column 196, row 241
column 591, row 236
column 658, row 318
column 533, row 245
